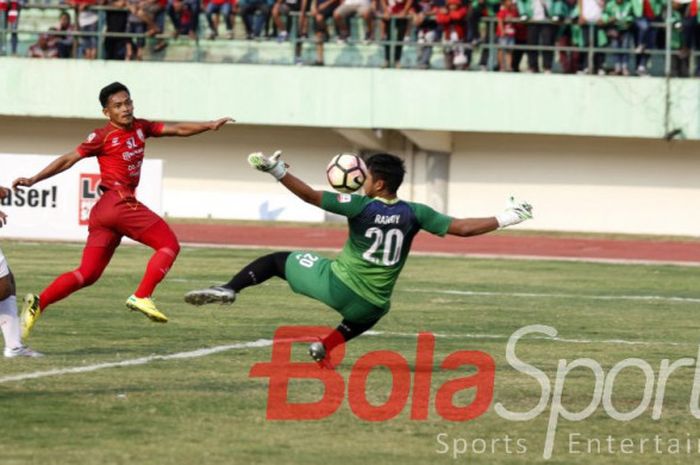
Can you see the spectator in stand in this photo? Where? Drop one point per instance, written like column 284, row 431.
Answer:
column 452, row 21
column 688, row 13
column 482, row 9
column 645, row 12
column 427, row 28
column 43, row 48
column 9, row 12
column 618, row 20
column 590, row 18
column 540, row 31
column 216, row 9
column 63, row 39
column 184, row 15
column 562, row 11
column 505, row 31
column 255, row 14
column 394, row 12
column 116, row 21
column 87, row 24
column 150, row 12
column 321, row 11
column 135, row 25
column 288, row 8
column 348, row 8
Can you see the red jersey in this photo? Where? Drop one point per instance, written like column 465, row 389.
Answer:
column 120, row 152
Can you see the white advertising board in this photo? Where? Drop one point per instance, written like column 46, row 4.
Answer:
column 58, row 208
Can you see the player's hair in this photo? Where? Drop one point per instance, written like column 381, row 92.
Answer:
column 387, row 167
column 110, row 90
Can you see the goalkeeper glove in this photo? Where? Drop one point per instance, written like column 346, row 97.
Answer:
column 272, row 164
column 515, row 212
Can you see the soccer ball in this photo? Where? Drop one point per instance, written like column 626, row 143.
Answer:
column 346, row 172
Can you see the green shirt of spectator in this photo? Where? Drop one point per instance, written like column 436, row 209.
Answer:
column 489, row 7
column 619, row 14
column 638, row 7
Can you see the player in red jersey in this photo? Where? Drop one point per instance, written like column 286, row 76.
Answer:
column 119, row 148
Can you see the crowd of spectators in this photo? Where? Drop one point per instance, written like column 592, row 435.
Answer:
column 628, row 29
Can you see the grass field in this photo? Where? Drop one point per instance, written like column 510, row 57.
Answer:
column 208, row 410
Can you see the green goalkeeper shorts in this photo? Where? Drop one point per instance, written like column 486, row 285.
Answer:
column 311, row 275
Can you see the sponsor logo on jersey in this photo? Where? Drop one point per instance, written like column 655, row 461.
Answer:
column 344, row 198
column 115, row 141
column 91, row 137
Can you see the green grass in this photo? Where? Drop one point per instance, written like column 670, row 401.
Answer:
column 208, row 410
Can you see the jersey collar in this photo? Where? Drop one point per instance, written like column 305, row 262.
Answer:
column 388, row 201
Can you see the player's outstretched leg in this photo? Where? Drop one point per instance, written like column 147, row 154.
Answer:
column 346, row 330
column 95, row 260
column 256, row 272
column 162, row 239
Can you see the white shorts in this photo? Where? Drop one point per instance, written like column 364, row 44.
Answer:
column 4, row 270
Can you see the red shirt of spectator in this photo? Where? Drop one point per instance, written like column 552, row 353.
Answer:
column 452, row 18
column 508, row 11
column 396, row 7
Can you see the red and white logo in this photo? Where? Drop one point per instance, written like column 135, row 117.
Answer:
column 87, row 196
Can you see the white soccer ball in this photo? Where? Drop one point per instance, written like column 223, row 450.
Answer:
column 346, row 172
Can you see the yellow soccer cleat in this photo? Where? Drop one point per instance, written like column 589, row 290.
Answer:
column 147, row 307
column 31, row 311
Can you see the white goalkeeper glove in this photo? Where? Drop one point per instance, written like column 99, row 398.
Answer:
column 272, row 164
column 515, row 212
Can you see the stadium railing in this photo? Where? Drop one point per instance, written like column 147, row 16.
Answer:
column 664, row 56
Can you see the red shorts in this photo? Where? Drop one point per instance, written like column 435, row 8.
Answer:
column 115, row 215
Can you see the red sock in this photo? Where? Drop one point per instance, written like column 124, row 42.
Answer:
column 334, row 339
column 94, row 261
column 161, row 238
column 62, row 287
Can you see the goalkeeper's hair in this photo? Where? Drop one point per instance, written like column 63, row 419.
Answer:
column 387, row 167
column 108, row 91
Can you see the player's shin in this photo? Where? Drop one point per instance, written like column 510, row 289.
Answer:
column 9, row 322
column 259, row 270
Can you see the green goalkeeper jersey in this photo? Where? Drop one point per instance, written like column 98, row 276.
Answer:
column 381, row 233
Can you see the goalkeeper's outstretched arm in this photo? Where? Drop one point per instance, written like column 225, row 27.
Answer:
column 302, row 190
column 278, row 169
column 515, row 213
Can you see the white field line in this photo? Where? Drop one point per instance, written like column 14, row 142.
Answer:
column 267, row 342
column 545, row 295
column 137, row 361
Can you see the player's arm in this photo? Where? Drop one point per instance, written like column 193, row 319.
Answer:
column 302, row 190
column 59, row 165
column 516, row 212
column 278, row 169
column 191, row 129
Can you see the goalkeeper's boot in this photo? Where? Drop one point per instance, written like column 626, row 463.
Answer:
column 147, row 307
column 211, row 295
column 31, row 311
column 21, row 351
column 317, row 351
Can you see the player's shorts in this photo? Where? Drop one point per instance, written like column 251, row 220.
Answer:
column 4, row 269
column 311, row 275
column 118, row 214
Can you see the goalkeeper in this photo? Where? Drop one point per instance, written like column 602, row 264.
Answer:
column 359, row 282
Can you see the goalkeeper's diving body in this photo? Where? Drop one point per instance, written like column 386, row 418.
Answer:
column 358, row 284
